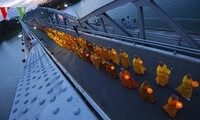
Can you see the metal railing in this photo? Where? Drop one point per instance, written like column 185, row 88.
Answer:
column 189, row 24
column 163, row 46
column 155, row 44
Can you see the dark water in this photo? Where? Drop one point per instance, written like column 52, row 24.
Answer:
column 10, row 72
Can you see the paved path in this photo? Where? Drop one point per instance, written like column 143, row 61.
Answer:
column 119, row 102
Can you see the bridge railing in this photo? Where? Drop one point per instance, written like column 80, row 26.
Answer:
column 58, row 22
column 160, row 45
column 189, row 24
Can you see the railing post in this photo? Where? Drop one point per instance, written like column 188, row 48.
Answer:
column 114, row 24
column 49, row 14
column 176, row 27
column 141, row 22
column 102, row 24
column 57, row 19
column 46, row 16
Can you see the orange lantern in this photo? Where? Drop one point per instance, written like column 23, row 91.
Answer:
column 112, row 67
column 87, row 55
column 149, row 90
column 114, row 52
column 195, row 84
column 140, row 62
column 126, row 77
column 179, row 105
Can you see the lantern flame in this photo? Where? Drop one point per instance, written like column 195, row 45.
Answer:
column 179, row 105
column 149, row 90
column 140, row 62
column 114, row 52
column 112, row 67
column 195, row 84
column 126, row 77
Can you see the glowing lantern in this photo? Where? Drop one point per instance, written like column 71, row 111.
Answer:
column 195, row 84
column 140, row 62
column 87, row 55
column 114, row 52
column 179, row 105
column 112, row 67
column 126, row 77
column 149, row 90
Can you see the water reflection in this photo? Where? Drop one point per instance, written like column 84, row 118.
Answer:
column 10, row 72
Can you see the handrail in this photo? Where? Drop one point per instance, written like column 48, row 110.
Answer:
column 168, row 47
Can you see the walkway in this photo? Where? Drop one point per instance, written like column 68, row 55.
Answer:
column 121, row 103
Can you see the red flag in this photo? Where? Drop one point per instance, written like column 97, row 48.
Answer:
column 4, row 12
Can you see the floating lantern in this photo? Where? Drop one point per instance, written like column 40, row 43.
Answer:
column 195, row 84
column 87, row 55
column 149, row 90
